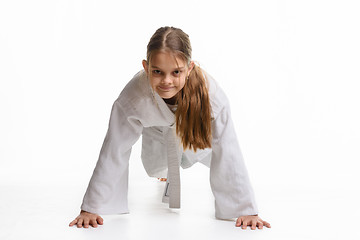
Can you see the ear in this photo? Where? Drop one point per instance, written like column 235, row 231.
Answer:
column 145, row 66
column 191, row 66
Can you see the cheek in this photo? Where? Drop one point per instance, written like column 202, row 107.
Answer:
column 179, row 82
column 153, row 82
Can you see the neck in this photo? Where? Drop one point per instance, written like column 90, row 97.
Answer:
column 171, row 101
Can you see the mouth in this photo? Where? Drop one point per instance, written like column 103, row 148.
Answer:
column 165, row 88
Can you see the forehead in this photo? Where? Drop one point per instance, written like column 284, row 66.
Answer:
column 167, row 60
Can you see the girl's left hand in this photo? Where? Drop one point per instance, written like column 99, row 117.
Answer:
column 253, row 221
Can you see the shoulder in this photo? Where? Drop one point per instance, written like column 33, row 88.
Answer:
column 218, row 98
column 135, row 90
column 136, row 96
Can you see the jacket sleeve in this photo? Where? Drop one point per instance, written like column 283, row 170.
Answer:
column 108, row 187
column 230, row 184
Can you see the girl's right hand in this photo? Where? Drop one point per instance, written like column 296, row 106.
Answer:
column 86, row 218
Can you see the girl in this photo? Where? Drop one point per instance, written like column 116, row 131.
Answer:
column 184, row 118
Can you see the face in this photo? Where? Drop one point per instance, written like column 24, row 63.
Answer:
column 167, row 78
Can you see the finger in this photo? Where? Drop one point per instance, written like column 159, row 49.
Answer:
column 267, row 224
column 100, row 220
column 93, row 223
column 253, row 224
column 80, row 222
column 260, row 225
column 238, row 222
column 73, row 223
column 86, row 223
column 244, row 225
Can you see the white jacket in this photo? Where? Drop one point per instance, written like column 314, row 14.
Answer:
column 140, row 111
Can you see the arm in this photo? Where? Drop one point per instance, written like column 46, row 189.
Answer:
column 234, row 196
column 108, row 187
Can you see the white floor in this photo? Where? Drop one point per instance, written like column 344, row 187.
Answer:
column 44, row 212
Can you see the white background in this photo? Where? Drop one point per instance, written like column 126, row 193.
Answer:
column 290, row 70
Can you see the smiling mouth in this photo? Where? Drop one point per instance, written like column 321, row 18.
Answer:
column 165, row 88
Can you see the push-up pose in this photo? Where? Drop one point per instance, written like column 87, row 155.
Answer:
column 184, row 117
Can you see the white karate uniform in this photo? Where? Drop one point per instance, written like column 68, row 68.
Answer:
column 141, row 111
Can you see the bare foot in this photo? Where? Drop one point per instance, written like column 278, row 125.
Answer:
column 162, row 179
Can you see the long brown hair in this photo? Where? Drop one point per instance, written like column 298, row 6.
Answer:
column 193, row 114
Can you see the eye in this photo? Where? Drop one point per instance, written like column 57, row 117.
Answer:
column 177, row 72
column 156, row 71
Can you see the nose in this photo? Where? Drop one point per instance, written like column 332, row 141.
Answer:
column 166, row 80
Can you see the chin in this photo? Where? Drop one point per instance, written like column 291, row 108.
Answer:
column 166, row 96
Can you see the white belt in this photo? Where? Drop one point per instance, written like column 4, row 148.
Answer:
column 172, row 188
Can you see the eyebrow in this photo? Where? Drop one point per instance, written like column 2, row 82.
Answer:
column 179, row 68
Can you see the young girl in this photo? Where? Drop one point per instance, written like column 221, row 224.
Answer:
column 184, row 118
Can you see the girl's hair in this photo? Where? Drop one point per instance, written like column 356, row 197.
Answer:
column 193, row 114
